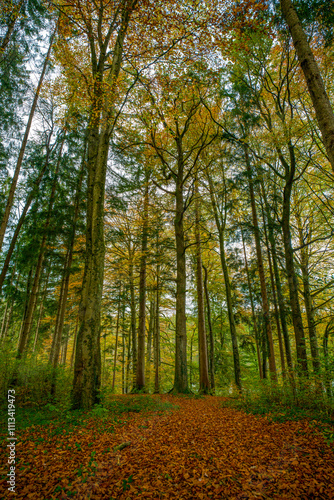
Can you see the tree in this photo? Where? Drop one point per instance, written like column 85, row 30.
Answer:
column 315, row 84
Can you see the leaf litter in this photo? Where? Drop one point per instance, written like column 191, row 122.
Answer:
column 198, row 450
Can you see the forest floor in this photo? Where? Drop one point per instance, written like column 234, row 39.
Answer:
column 179, row 448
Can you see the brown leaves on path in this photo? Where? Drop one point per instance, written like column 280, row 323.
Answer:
column 199, row 451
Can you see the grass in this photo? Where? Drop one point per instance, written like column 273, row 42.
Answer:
column 60, row 419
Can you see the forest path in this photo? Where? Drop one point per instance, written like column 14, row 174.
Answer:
column 204, row 451
column 199, row 450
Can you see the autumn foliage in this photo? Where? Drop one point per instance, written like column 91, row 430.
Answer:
column 181, row 448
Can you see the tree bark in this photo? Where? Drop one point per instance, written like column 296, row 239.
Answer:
column 41, row 308
column 315, row 84
column 87, row 369
column 133, row 320
column 140, row 369
column 149, row 340
column 211, row 338
column 290, row 268
column 116, row 341
column 204, row 384
column 74, row 341
column 156, row 336
column 304, row 265
column 181, row 375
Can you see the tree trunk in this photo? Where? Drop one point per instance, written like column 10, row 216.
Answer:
column 181, row 376
column 264, row 295
column 27, row 323
column 277, row 318
column 140, row 370
column 204, row 384
column 56, row 342
column 280, row 298
column 220, row 227
column 211, row 338
column 64, row 349
column 315, row 84
column 32, row 301
column 74, row 341
column 133, row 320
column 12, row 190
column 41, row 308
column 292, row 278
column 128, row 363
column 304, row 265
column 156, row 336
column 116, row 341
column 87, row 369
column 123, row 349
column 149, row 341
column 256, row 333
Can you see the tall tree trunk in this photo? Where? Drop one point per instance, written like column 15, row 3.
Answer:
column 116, row 340
column 74, row 341
column 304, row 265
column 264, row 295
column 140, row 369
column 181, row 375
column 123, row 349
column 64, row 349
column 15, row 178
column 149, row 340
column 8, row 313
column 133, row 320
column 26, row 300
column 57, row 337
column 220, row 227
column 87, row 369
column 315, row 84
column 128, row 363
column 280, row 298
column 32, row 301
column 41, row 308
column 156, row 336
column 8, row 318
column 256, row 333
column 211, row 338
column 204, row 384
column 290, row 266
column 277, row 318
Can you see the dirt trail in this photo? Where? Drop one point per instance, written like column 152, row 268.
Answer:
column 200, row 451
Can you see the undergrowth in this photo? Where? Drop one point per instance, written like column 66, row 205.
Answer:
column 280, row 404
